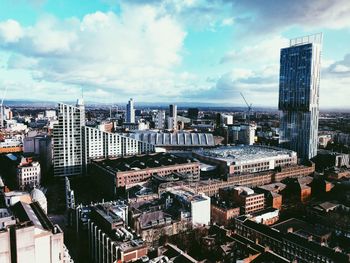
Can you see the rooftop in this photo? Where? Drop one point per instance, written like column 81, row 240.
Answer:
column 111, row 211
column 298, row 226
column 175, row 139
column 315, row 38
column 275, row 187
column 142, row 162
column 32, row 214
column 232, row 154
column 187, row 195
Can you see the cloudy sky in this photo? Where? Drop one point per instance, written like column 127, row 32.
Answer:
column 166, row 51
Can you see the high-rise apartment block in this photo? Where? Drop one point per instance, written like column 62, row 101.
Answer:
column 130, row 112
column 101, row 145
column 172, row 118
column 75, row 145
column 173, row 110
column 159, row 120
column 67, row 140
column 299, row 95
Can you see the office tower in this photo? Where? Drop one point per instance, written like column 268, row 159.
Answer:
column 130, row 112
column 172, row 119
column 299, row 95
column 27, row 235
column 173, row 110
column 159, row 120
column 67, row 139
column 242, row 133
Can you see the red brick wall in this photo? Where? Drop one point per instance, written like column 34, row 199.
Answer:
column 134, row 176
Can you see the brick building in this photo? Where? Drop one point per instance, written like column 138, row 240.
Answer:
column 223, row 213
column 289, row 245
column 273, row 194
column 212, row 186
column 244, row 197
column 125, row 172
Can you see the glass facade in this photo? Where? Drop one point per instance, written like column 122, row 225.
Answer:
column 299, row 95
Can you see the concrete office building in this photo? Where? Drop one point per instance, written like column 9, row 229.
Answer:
column 31, row 237
column 159, row 120
column 130, row 112
column 172, row 118
column 242, row 133
column 172, row 123
column 300, row 65
column 67, row 140
column 198, row 205
column 226, row 119
column 109, row 237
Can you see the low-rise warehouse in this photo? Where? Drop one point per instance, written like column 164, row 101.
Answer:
column 236, row 160
column 128, row 171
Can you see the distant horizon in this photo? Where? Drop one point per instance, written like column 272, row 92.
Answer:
column 206, row 51
column 183, row 105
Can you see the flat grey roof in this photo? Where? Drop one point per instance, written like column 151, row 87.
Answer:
column 244, row 152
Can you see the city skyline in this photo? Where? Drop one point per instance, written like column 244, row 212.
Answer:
column 167, row 51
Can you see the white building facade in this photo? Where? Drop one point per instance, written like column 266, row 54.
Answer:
column 99, row 144
column 67, row 140
column 159, row 120
column 28, row 174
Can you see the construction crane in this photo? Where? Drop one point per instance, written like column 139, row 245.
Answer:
column 2, row 108
column 249, row 107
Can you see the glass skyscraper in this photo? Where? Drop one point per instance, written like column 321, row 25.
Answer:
column 299, row 95
column 130, row 112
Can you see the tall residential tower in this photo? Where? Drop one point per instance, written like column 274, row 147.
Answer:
column 130, row 112
column 172, row 119
column 299, row 95
column 67, row 139
column 75, row 145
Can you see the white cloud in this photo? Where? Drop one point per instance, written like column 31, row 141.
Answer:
column 264, row 52
column 272, row 15
column 341, row 69
column 227, row 21
column 135, row 52
column 10, row 31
